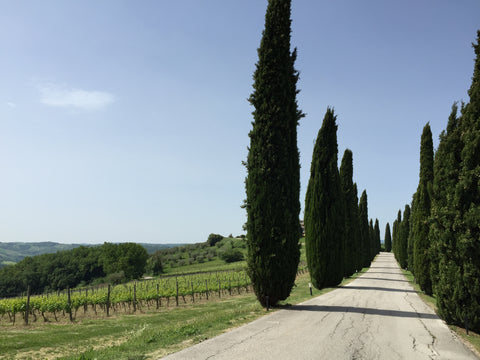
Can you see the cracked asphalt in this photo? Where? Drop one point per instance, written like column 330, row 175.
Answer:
column 376, row 316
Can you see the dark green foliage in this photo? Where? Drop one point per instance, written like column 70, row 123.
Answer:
column 396, row 234
column 351, row 245
column 357, row 255
column 455, row 212
column 373, row 245
column 68, row 269
column 421, row 213
column 378, row 241
column 273, row 179
column 213, row 239
column 154, row 264
column 324, row 209
column 363, row 231
column 402, row 238
column 231, row 255
column 388, row 238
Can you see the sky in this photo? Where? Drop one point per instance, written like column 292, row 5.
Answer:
column 128, row 120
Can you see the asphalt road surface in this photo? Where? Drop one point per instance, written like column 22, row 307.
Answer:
column 377, row 316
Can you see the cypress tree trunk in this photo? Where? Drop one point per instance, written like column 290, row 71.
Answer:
column 421, row 213
column 273, row 179
column 351, row 213
column 388, row 238
column 324, row 210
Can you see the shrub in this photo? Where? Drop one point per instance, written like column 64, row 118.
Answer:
column 231, row 255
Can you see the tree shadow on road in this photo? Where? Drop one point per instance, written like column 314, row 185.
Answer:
column 377, row 288
column 361, row 310
column 382, row 279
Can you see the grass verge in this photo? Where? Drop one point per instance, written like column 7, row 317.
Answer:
column 142, row 336
column 472, row 339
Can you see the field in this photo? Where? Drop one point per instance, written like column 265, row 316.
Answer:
column 149, row 334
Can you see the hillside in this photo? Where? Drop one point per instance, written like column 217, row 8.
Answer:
column 13, row 252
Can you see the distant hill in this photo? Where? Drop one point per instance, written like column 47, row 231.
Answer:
column 13, row 252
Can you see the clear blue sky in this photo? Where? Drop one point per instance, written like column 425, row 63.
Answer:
column 129, row 120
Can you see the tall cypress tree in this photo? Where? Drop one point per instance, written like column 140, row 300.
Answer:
column 373, row 247
column 396, row 234
column 457, row 244
column 324, row 209
column 378, row 244
column 445, row 265
column 363, row 230
column 421, row 213
column 388, row 238
column 357, row 259
column 351, row 213
column 403, row 231
column 273, row 179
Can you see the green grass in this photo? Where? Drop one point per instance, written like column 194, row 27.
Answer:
column 142, row 336
column 472, row 338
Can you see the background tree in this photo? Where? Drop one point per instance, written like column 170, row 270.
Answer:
column 378, row 241
column 363, row 230
column 351, row 213
column 373, row 245
column 324, row 209
column 273, row 179
column 388, row 238
column 421, row 213
column 396, row 234
column 403, row 232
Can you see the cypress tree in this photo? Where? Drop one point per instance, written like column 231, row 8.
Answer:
column 388, row 238
column 363, row 230
column 358, row 250
column 273, row 170
column 457, row 236
column 373, row 246
column 324, row 209
column 396, row 234
column 378, row 243
column 445, row 265
column 403, row 231
column 421, row 213
column 351, row 213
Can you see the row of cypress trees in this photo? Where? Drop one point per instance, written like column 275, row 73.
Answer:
column 333, row 217
column 338, row 237
column 439, row 237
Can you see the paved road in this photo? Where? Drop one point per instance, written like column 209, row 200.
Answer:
column 377, row 316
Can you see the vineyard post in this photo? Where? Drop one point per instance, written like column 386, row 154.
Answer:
column 193, row 294
column 230, row 286
column 206, row 287
column 108, row 300
column 134, row 297
column 69, row 301
column 219, row 288
column 27, row 308
column 158, row 297
column 176, row 296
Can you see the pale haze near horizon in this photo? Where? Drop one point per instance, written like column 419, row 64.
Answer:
column 128, row 121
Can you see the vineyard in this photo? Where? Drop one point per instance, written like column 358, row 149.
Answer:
column 126, row 298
